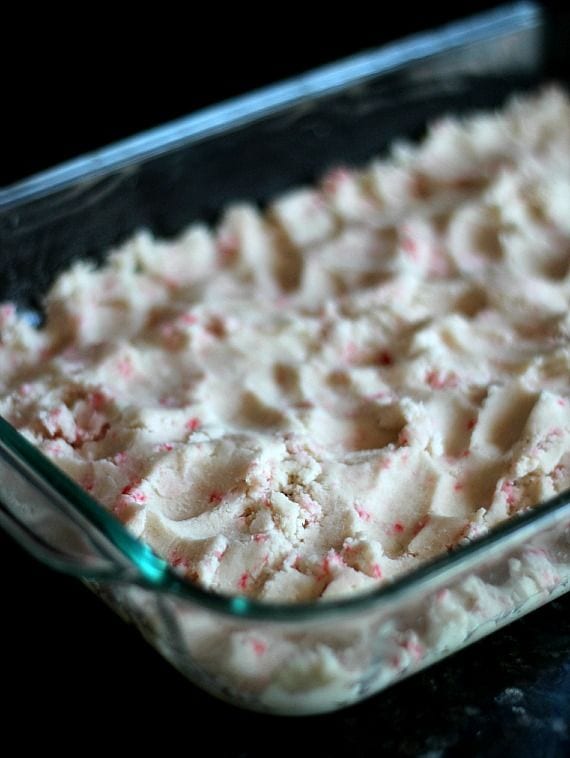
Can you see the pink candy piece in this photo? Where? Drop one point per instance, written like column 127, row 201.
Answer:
column 415, row 649
column 259, row 647
column 260, row 537
column 7, row 312
column 376, row 571
column 471, row 423
column 177, row 559
column 335, row 179
column 125, row 368
column 331, row 560
column 510, row 491
column 228, row 245
column 439, row 380
column 350, row 353
column 216, row 496
column 420, row 525
column 97, row 400
column 410, row 247
column 403, row 439
column 123, row 509
column 132, row 492
column 193, row 424
column 243, row 580
column 398, row 527
column 362, row 512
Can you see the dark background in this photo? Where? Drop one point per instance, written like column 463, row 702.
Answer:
column 66, row 659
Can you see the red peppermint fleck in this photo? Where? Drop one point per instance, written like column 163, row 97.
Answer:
column 403, row 439
column 189, row 319
column 125, row 368
column 419, row 526
column 165, row 447
column 540, row 551
column 410, row 247
column 362, row 513
column 227, row 245
column 331, row 560
column 562, row 402
column 216, row 496
column 471, row 423
column 260, row 537
column 376, row 571
column 243, row 580
column 259, row 647
column 127, row 488
column 317, row 203
column 7, row 311
column 395, row 661
column 335, row 179
column 398, row 527
column 350, row 353
column 193, row 424
column 120, row 458
column 415, row 649
column 88, row 483
column 97, row 400
column 132, row 492
column 509, row 489
column 385, row 358
column 377, row 395
column 439, row 380
column 458, row 486
column 171, row 282
column 177, row 559
column 122, row 510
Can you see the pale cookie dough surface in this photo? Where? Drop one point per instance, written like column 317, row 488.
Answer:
column 306, row 402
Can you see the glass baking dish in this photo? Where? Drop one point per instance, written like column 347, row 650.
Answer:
column 287, row 659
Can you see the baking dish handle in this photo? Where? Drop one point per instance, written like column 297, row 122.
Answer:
column 56, row 522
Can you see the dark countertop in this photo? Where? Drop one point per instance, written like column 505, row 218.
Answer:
column 69, row 659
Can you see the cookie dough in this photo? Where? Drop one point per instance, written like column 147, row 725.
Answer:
column 307, row 401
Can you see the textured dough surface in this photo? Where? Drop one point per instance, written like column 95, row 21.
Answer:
column 305, row 402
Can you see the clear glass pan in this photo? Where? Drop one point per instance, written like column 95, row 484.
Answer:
column 277, row 658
